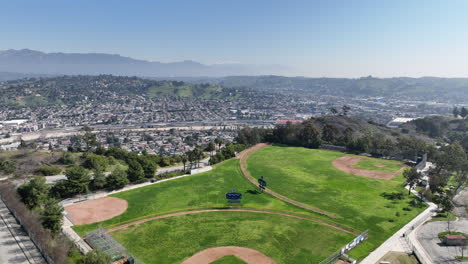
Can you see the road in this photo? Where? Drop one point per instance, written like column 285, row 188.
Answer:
column 427, row 236
column 15, row 245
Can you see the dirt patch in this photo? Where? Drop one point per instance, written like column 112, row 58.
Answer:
column 95, row 210
column 346, row 164
column 248, row 255
column 380, row 166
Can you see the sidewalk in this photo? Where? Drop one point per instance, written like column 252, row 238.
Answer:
column 16, row 246
column 396, row 243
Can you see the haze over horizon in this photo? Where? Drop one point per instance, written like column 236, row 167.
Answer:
column 311, row 38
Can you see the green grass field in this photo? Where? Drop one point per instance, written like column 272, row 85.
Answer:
column 229, row 260
column 308, row 176
column 285, row 239
column 379, row 165
column 206, row 190
column 304, row 175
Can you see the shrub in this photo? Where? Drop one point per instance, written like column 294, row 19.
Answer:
column 48, row 170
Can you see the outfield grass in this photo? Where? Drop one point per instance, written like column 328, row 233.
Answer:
column 373, row 164
column 205, row 190
column 285, row 239
column 308, row 176
column 229, row 260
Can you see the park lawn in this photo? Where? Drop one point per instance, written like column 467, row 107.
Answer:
column 229, row 260
column 200, row 191
column 373, row 164
column 308, row 176
column 285, row 239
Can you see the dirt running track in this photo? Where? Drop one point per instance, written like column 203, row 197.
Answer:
column 347, row 230
column 248, row 255
column 346, row 164
column 244, row 155
column 94, row 211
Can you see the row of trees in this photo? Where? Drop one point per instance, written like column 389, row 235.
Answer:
column 463, row 112
column 229, row 151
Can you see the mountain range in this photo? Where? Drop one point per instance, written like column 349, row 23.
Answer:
column 27, row 61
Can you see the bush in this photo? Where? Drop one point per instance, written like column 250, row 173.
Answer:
column 7, row 166
column 116, row 180
column 397, row 214
column 96, row 162
column 47, row 170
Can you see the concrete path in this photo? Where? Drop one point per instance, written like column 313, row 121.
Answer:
column 439, row 253
column 398, row 242
column 15, row 245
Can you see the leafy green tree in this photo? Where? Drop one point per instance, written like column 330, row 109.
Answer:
column 7, row 166
column 148, row 165
column 116, row 180
column 328, row 133
column 34, row 193
column 67, row 159
column 309, row 136
column 89, row 138
column 412, row 177
column 463, row 112
column 96, row 257
column 99, row 180
column 211, row 147
column 219, row 142
column 135, row 171
column 48, row 170
column 52, row 216
column 96, row 162
column 446, row 203
column 78, row 180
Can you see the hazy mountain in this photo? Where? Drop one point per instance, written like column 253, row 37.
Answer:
column 36, row 62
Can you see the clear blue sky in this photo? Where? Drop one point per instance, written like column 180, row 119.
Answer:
column 347, row 38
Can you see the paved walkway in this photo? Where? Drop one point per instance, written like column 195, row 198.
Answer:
column 399, row 243
column 438, row 252
column 15, row 245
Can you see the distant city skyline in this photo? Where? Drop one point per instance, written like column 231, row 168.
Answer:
column 314, row 38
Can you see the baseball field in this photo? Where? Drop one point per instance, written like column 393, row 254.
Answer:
column 316, row 202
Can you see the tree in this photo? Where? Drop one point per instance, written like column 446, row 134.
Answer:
column 309, row 136
column 149, row 167
column 48, row 170
column 463, row 112
column 99, row 180
column 333, row 110
column 116, row 180
column 96, row 257
column 135, row 171
column 328, row 133
column 345, row 110
column 455, row 112
column 34, row 193
column 412, row 177
column 89, row 138
column 52, row 216
column 78, row 180
column 7, row 166
column 184, row 159
column 210, row 148
column 96, row 162
column 219, row 142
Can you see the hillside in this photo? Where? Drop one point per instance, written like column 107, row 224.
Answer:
column 70, row 89
column 27, row 61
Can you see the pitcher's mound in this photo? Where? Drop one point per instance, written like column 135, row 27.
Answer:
column 248, row 255
column 95, row 210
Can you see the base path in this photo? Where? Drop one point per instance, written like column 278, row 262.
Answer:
column 244, row 155
column 347, row 230
column 347, row 163
column 248, row 255
column 94, row 211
